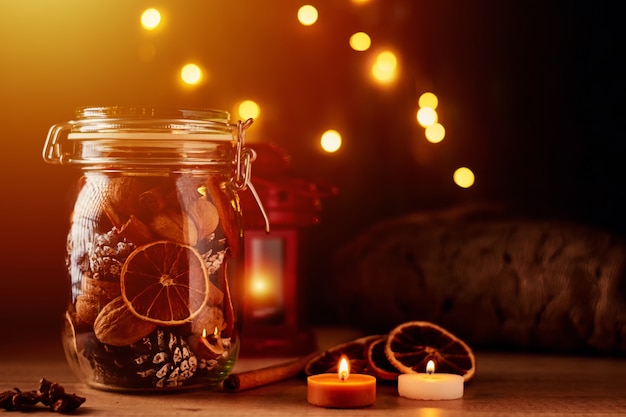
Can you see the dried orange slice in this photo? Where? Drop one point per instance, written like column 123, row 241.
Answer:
column 411, row 345
column 355, row 351
column 377, row 362
column 165, row 282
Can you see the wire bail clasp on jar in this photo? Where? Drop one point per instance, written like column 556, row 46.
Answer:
column 53, row 152
column 243, row 167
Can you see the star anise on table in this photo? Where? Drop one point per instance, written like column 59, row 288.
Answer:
column 50, row 394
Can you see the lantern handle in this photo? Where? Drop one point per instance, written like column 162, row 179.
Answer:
column 243, row 166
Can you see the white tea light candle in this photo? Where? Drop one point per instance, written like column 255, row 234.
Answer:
column 430, row 386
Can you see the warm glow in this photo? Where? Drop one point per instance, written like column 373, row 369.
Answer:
column 344, row 369
column 429, row 412
column 387, row 60
column 248, row 109
column 428, row 99
column 307, row 15
column 385, row 68
column 150, row 19
column 146, row 51
column 426, row 116
column 360, row 41
column 331, row 141
column 191, row 74
column 215, row 332
column 464, row 177
column 435, row 133
column 430, row 367
column 259, row 285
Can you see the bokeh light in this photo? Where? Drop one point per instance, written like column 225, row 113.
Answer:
column 150, row 19
column 191, row 74
column 464, row 177
column 331, row 141
column 428, row 99
column 435, row 133
column 426, row 116
column 307, row 15
column 248, row 109
column 360, row 41
column 385, row 68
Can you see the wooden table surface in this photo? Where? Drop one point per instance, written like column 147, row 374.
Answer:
column 504, row 385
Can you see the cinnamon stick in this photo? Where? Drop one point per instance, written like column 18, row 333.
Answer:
column 256, row 378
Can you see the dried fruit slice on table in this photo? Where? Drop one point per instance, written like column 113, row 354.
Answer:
column 355, row 350
column 377, row 362
column 411, row 345
column 165, row 282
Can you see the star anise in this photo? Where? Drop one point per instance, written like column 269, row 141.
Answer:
column 50, row 394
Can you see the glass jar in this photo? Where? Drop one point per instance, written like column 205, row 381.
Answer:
column 154, row 245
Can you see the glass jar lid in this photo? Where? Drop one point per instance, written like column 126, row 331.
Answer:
column 135, row 136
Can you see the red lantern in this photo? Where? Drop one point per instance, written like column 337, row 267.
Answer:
column 271, row 321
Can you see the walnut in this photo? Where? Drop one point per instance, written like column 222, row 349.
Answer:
column 204, row 215
column 88, row 307
column 96, row 294
column 173, row 225
column 101, row 289
column 116, row 325
column 122, row 197
column 209, row 319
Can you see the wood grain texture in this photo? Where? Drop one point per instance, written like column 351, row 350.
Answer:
column 505, row 384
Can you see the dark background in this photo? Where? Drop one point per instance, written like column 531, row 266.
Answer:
column 530, row 93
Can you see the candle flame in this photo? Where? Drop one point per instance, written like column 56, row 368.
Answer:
column 430, row 367
column 344, row 369
column 216, row 333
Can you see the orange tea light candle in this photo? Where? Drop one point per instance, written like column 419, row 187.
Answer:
column 341, row 390
column 430, row 386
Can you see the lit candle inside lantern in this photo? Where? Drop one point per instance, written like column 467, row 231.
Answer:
column 265, row 298
column 341, row 390
column 430, row 386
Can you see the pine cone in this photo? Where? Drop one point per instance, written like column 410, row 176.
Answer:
column 107, row 255
column 162, row 359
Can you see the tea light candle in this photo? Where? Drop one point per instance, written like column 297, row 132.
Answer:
column 210, row 347
column 430, row 386
column 341, row 390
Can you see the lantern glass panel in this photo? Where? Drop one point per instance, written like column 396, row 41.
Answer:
column 266, row 283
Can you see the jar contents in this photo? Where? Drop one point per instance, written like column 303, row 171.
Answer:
column 147, row 255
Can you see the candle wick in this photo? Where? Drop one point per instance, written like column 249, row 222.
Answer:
column 343, row 376
column 429, row 372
